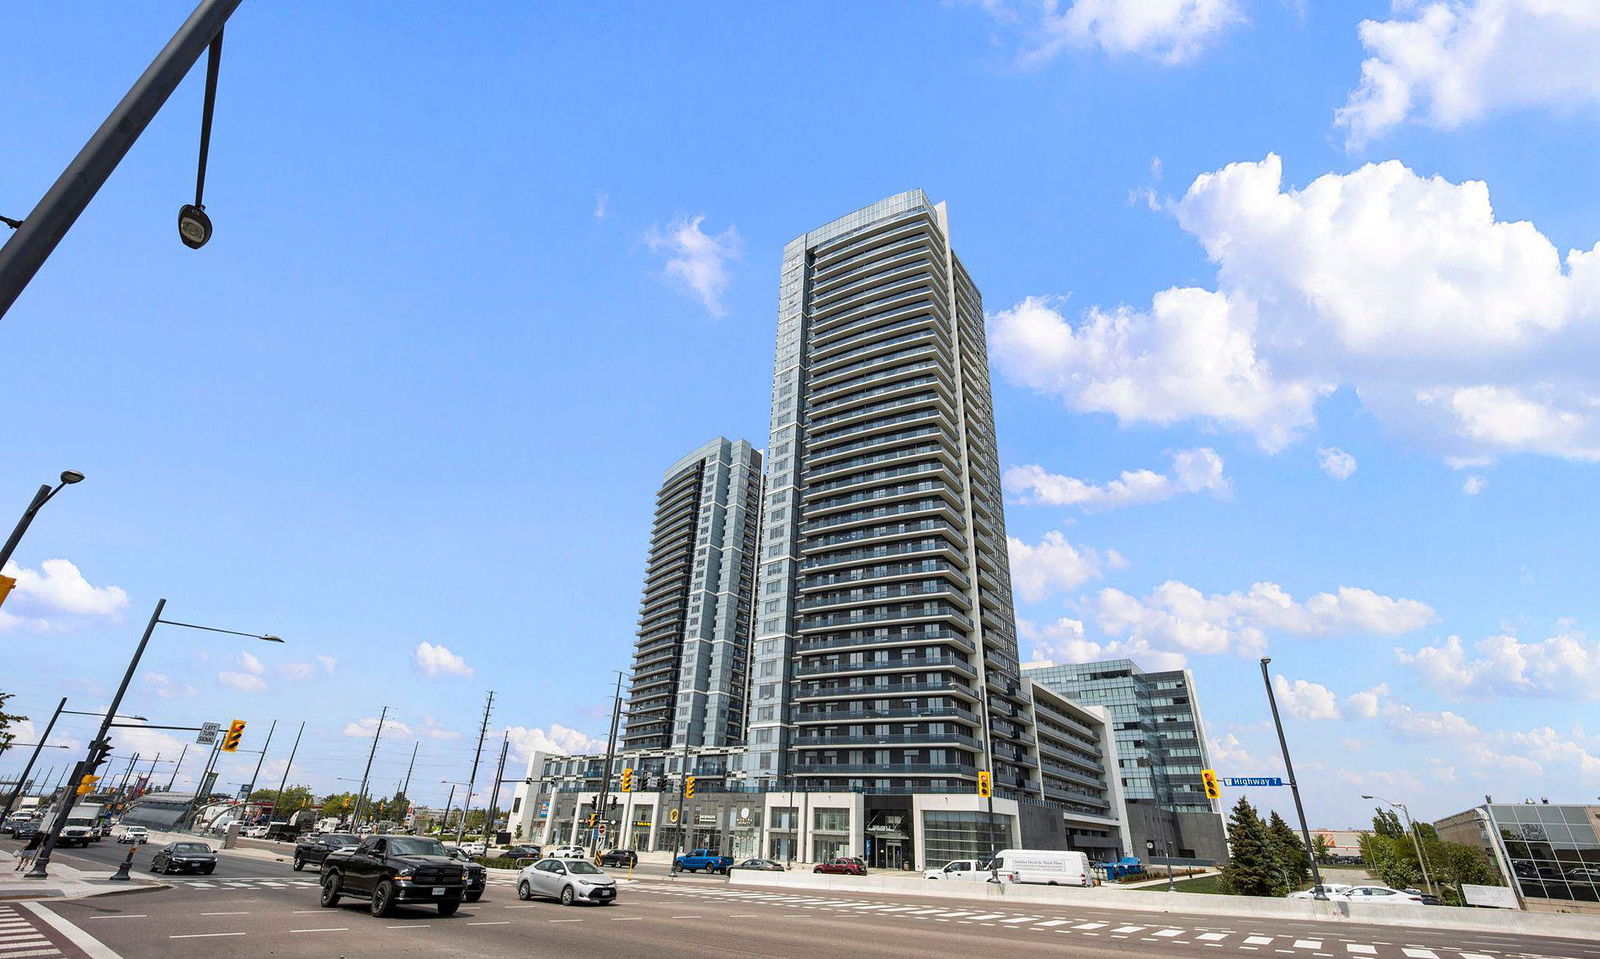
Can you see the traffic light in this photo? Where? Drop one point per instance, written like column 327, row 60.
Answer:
column 6, row 583
column 230, row 742
column 688, row 788
column 99, row 753
column 985, row 783
column 1213, row 788
column 86, row 785
column 627, row 780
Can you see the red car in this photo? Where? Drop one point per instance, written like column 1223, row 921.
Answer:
column 842, row 867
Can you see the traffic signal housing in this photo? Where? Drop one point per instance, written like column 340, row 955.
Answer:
column 627, row 780
column 985, row 783
column 6, row 585
column 1213, row 788
column 688, row 788
column 86, row 785
column 230, row 742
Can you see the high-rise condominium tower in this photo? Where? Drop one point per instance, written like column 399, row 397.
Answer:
column 885, row 653
column 690, row 661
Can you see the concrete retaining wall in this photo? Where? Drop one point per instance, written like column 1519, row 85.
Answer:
column 1419, row 917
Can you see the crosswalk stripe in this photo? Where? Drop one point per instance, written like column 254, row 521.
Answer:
column 1168, row 933
column 33, row 952
column 1360, row 949
column 1214, row 936
column 1054, row 922
column 1308, row 943
column 1420, row 953
column 1258, row 940
column 988, row 915
column 1126, row 929
column 1090, row 925
column 1020, row 919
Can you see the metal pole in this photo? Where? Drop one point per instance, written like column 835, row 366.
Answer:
column 477, row 756
column 60, row 207
column 277, row 801
column 1416, row 843
column 176, row 766
column 259, row 760
column 444, row 824
column 122, row 787
column 494, row 795
column 1294, row 787
column 683, row 787
column 41, row 865
column 39, row 499
column 355, row 815
column 405, row 790
column 603, row 802
column 11, row 801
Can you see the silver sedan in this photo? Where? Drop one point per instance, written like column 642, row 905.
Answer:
column 567, row 881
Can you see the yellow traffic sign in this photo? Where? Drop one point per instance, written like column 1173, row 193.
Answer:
column 230, row 742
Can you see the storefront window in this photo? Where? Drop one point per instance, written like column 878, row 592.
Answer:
column 831, row 820
column 952, row 835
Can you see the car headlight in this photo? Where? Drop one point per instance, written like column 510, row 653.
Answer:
column 405, row 874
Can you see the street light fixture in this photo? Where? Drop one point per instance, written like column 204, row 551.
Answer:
column 43, row 496
column 1416, row 841
column 100, row 746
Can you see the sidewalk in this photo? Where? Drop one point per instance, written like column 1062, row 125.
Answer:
column 65, row 882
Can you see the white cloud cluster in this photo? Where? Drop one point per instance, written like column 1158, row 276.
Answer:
column 697, row 260
column 1304, row 699
column 1169, row 31
column 437, row 660
column 1054, row 565
column 1450, row 62
column 168, row 688
column 558, row 739
column 56, row 587
column 1467, row 333
column 1336, row 462
column 1177, row 618
column 1565, row 665
column 1474, row 484
column 247, row 678
column 364, row 727
column 1193, row 471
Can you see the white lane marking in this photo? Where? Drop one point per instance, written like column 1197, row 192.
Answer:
column 1090, row 925
column 332, row 929
column 628, row 919
column 126, row 915
column 1020, row 919
column 1128, row 929
column 1168, row 933
column 1420, row 953
column 741, row 915
column 563, row 920
column 987, row 915
column 224, row 914
column 497, row 922
column 1258, row 940
column 308, row 912
column 1054, row 922
column 205, row 935
column 1308, row 943
column 690, row 917
column 1360, row 949
column 1210, row 936
column 1475, row 955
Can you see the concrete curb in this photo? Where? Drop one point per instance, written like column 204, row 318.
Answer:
column 1585, row 928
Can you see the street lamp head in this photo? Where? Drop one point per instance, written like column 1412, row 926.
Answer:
column 69, row 477
column 1365, row 796
column 272, row 639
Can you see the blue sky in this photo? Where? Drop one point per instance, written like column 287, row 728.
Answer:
column 1299, row 270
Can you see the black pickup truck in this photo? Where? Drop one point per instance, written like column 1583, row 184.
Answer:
column 391, row 870
column 311, row 850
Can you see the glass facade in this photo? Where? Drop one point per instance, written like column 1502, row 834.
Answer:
column 949, row 835
column 1553, row 850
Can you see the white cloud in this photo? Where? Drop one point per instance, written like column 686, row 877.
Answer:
column 1463, row 332
column 243, row 682
column 251, row 664
column 1169, row 31
column 364, row 727
column 1193, row 471
column 1304, row 699
column 57, row 587
column 1178, row 618
column 1408, row 724
column 432, row 660
column 1367, row 703
column 431, row 729
column 1474, row 484
column 697, row 260
column 168, row 688
column 1053, row 566
column 602, row 205
column 297, row 671
column 327, row 663
column 557, row 739
column 1336, row 462
column 1065, row 641
column 1563, row 666
column 1450, row 62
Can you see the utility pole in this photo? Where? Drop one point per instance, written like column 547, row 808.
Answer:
column 603, row 801
column 1294, row 787
column 472, row 780
column 494, row 794
column 259, row 760
column 66, row 199
column 16, row 793
column 277, row 801
column 177, row 766
column 405, row 789
column 355, row 815
column 683, row 787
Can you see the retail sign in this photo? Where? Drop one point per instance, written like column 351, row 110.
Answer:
column 1245, row 781
column 706, row 819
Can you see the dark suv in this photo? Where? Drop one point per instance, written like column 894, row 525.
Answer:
column 313, row 849
column 623, row 858
column 391, row 870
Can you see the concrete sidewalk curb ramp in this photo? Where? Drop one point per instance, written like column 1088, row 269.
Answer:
column 66, row 882
column 1585, row 928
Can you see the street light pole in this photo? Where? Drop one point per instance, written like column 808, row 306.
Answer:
column 355, row 815
column 45, row 492
column 1294, row 787
column 259, row 760
column 1416, row 842
column 67, row 198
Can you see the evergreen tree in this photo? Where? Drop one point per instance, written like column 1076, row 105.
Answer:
column 1289, row 851
column 1321, row 847
column 1252, row 868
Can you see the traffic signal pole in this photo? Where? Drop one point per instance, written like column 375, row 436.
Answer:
column 603, row 801
column 48, row 223
column 1299, row 808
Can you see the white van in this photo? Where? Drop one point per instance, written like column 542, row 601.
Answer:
column 1051, row 867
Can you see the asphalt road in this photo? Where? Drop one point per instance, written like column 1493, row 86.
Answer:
column 251, row 908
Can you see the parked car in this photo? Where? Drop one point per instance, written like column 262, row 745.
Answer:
column 702, row 860
column 622, row 858
column 760, row 865
column 961, row 870
column 1382, row 895
column 477, row 876
column 842, row 866
column 184, row 857
column 312, row 851
column 391, row 870
column 567, row 881
column 568, row 852
column 522, row 852
column 1329, row 890
column 133, row 834
column 478, row 848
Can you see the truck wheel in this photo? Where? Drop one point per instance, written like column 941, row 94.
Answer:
column 523, row 892
column 383, row 899
column 330, row 890
column 448, row 908
column 299, row 864
column 566, row 895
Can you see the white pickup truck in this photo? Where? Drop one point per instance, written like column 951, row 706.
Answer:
column 961, row 870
